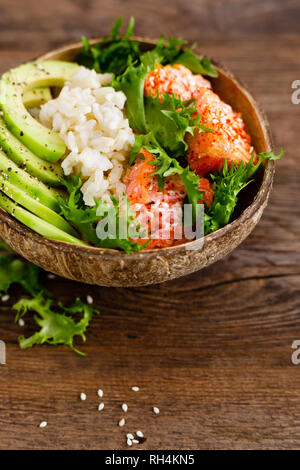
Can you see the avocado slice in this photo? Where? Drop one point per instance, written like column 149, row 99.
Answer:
column 35, row 223
column 23, row 198
column 34, row 187
column 36, row 97
column 45, row 143
column 49, row 173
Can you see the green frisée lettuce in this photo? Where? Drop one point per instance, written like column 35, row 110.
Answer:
column 227, row 184
column 170, row 119
column 167, row 166
column 115, row 52
column 85, row 218
column 55, row 327
column 119, row 225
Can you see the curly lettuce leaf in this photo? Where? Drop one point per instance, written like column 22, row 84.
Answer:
column 119, row 225
column 228, row 182
column 167, row 166
column 169, row 119
column 85, row 218
column 55, row 328
column 74, row 210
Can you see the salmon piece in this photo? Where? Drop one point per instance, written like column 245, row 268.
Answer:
column 175, row 79
column 147, row 200
column 230, row 141
column 142, row 188
column 207, row 151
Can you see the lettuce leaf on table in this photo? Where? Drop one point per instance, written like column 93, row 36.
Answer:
column 55, row 327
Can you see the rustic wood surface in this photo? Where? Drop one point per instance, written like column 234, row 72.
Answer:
column 211, row 350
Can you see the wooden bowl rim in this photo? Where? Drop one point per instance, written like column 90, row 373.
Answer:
column 108, row 253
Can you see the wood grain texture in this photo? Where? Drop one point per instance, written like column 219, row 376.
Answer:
column 211, row 350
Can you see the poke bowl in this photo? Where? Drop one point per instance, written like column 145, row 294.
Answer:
column 112, row 267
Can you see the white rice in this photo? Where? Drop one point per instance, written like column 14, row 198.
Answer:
column 89, row 116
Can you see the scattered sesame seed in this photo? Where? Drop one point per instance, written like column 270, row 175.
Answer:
column 51, row 276
column 129, row 442
column 43, row 424
column 101, row 406
column 135, row 389
column 89, row 299
column 130, row 436
column 135, row 441
column 21, row 322
column 82, row 396
column 125, row 407
column 155, row 410
column 122, row 422
column 139, row 434
column 5, row 298
column 100, row 393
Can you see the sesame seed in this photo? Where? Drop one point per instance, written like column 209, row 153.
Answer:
column 89, row 299
column 139, row 434
column 100, row 393
column 155, row 410
column 122, row 422
column 21, row 322
column 125, row 407
column 130, row 436
column 5, row 298
column 129, row 442
column 51, row 276
column 135, row 389
column 82, row 396
column 101, row 406
column 43, row 424
column 135, row 441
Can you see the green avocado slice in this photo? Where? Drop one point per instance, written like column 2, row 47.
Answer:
column 36, row 97
column 35, row 223
column 49, row 173
column 45, row 143
column 22, row 198
column 31, row 185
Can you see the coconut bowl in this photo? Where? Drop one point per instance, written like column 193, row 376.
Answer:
column 106, row 267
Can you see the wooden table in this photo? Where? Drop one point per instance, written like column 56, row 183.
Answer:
column 212, row 350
